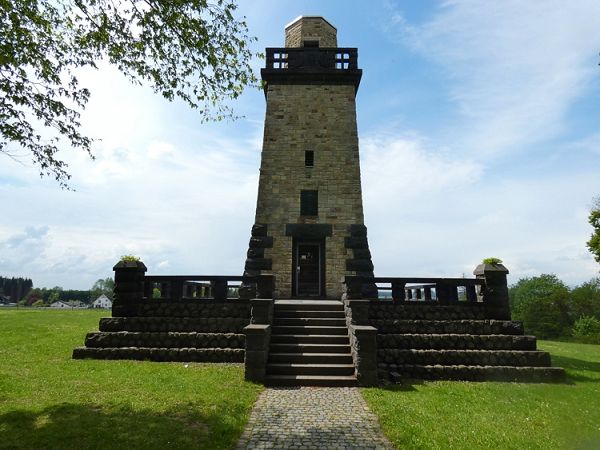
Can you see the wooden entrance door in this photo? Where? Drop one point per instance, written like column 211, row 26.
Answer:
column 308, row 269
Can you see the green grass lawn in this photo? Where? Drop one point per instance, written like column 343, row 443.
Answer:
column 48, row 400
column 464, row 415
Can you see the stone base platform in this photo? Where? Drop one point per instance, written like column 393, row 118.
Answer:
column 426, row 341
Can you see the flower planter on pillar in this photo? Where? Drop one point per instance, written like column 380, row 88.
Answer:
column 494, row 291
column 129, row 288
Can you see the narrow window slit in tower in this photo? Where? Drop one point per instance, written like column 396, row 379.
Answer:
column 309, row 158
column 309, row 203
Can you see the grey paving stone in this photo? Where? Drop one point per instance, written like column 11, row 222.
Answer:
column 312, row 418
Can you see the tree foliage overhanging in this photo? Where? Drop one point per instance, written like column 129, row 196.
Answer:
column 188, row 49
column 594, row 219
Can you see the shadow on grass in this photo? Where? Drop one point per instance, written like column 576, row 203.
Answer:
column 405, row 385
column 571, row 364
column 74, row 426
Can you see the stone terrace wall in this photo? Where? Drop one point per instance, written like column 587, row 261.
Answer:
column 206, row 308
column 166, row 330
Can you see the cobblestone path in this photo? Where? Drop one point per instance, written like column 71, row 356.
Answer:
column 312, row 418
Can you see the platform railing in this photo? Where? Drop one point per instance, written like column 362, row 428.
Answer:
column 177, row 287
column 133, row 287
column 285, row 58
column 416, row 289
column 487, row 290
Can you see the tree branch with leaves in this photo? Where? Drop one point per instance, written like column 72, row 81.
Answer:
column 188, row 49
column 594, row 220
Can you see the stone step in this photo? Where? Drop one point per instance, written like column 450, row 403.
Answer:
column 309, row 339
column 425, row 311
column 162, row 354
column 289, row 313
column 304, row 305
column 309, row 321
column 163, row 324
column 448, row 326
column 311, row 380
column 278, row 329
column 310, row 369
column 309, row 348
column 165, row 340
column 310, row 358
column 464, row 357
column 478, row 373
column 456, row 341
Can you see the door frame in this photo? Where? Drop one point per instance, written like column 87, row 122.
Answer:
column 321, row 243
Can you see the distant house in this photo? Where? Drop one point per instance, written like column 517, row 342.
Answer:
column 102, row 302
column 60, row 305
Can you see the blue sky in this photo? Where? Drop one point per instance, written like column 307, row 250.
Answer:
column 479, row 136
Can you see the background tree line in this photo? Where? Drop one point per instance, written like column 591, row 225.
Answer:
column 21, row 291
column 14, row 289
column 549, row 309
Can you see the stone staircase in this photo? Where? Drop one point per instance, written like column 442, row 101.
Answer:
column 310, row 345
column 414, row 342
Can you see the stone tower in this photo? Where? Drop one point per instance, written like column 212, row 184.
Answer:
column 309, row 228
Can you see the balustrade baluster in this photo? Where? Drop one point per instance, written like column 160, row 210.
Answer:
column 148, row 288
column 471, row 294
column 176, row 291
column 219, row 288
column 453, row 294
column 427, row 292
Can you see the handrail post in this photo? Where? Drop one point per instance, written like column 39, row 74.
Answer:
column 494, row 291
column 398, row 294
column 427, row 292
column 175, row 290
column 129, row 288
column 443, row 294
column 471, row 294
column 219, row 288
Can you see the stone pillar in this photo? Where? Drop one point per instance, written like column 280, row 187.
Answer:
column 258, row 339
column 363, row 341
column 129, row 288
column 262, row 311
column 494, row 291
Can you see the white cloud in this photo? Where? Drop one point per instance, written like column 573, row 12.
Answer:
column 432, row 215
column 400, row 169
column 514, row 67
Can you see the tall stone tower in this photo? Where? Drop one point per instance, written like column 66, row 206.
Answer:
column 309, row 229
